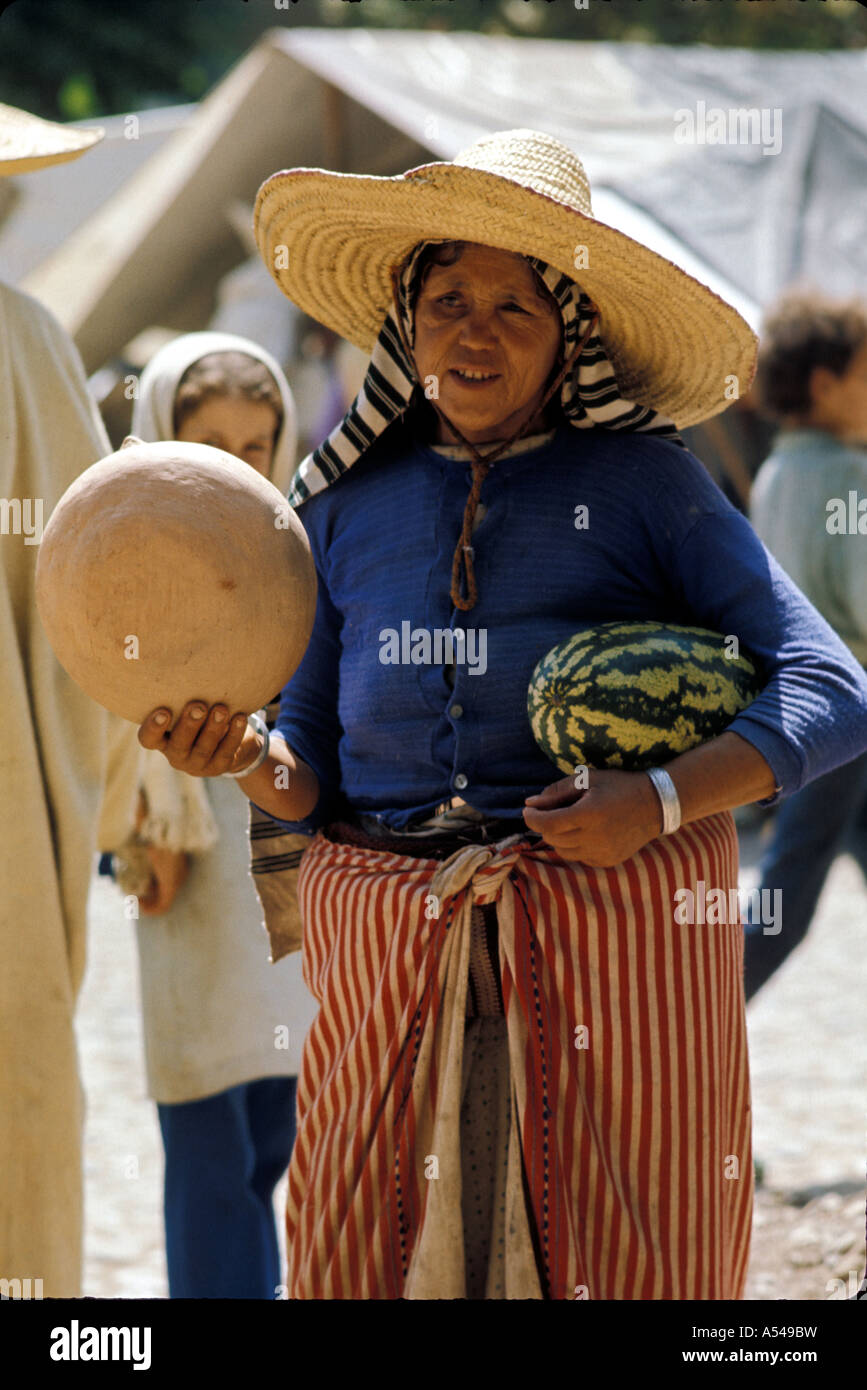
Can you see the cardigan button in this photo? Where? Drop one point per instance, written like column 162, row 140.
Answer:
column 461, row 781
column 456, row 711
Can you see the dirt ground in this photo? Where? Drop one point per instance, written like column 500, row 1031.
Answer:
column 807, row 1051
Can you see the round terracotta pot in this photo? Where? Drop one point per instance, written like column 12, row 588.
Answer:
column 170, row 572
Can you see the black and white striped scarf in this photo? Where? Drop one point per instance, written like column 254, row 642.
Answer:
column 588, row 395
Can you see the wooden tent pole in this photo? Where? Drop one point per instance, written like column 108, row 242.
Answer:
column 731, row 460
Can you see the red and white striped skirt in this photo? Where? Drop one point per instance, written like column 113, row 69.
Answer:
column 629, row 1159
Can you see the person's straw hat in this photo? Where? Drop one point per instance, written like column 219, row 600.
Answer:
column 330, row 241
column 27, row 142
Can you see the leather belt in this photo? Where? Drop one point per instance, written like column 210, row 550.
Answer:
column 437, row 845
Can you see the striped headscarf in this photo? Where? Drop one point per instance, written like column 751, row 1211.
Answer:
column 589, row 395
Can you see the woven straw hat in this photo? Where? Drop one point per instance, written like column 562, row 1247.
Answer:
column 27, row 142
column 330, row 241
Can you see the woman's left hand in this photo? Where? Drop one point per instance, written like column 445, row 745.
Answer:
column 617, row 814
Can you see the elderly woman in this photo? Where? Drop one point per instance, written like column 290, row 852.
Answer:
column 527, row 1077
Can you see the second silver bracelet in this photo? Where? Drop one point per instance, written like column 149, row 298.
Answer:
column 667, row 793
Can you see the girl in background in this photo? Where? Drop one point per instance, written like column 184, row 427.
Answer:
column 223, row 1026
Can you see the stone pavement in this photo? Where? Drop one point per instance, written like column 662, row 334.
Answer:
column 808, row 1044
column 807, row 1048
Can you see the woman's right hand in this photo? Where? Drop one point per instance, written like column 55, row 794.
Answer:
column 204, row 742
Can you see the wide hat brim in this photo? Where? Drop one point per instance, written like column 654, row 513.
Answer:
column 28, row 142
column 330, row 241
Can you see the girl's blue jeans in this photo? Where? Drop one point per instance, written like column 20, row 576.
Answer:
column 225, row 1155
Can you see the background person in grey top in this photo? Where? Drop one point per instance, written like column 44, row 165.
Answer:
column 809, row 506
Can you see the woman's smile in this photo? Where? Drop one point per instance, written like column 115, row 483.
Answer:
column 468, row 376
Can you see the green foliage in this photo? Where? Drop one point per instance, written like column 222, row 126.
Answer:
column 102, row 57
column 76, row 59
column 77, row 97
column 794, row 24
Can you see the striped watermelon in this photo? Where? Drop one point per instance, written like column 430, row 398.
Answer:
column 633, row 695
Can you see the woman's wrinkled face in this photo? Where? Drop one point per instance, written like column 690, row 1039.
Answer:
column 241, row 427
column 485, row 342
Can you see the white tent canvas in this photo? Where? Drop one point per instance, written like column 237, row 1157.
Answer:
column 748, row 169
column 741, row 217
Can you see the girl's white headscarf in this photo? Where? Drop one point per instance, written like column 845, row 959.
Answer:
column 153, row 413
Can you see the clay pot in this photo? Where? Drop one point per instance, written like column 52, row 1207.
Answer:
column 170, row 572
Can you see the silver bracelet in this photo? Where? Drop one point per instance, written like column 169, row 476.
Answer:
column 260, row 727
column 667, row 793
